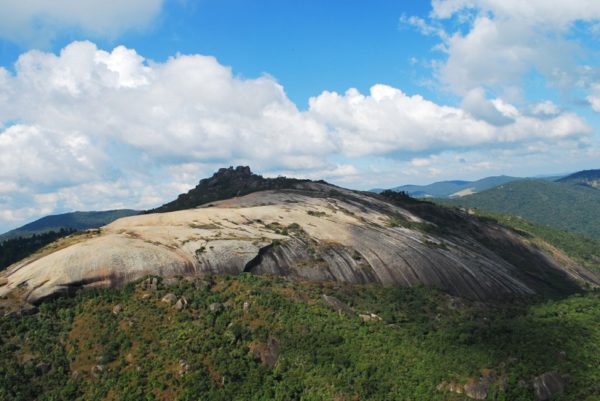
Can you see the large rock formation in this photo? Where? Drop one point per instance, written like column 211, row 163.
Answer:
column 310, row 230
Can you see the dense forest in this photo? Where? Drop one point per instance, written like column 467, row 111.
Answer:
column 259, row 338
column 15, row 249
column 564, row 206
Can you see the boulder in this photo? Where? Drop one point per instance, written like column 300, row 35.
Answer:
column 548, row 385
column 184, row 368
column 170, row 299
column 370, row 317
column 181, row 303
column 150, row 284
column 450, row 386
column 267, row 353
column 28, row 309
column 477, row 389
column 215, row 307
column 42, row 368
column 97, row 370
column 171, row 281
column 117, row 309
column 337, row 305
column 198, row 283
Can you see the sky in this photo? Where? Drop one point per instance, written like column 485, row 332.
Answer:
column 109, row 105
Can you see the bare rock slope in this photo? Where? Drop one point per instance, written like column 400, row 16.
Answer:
column 305, row 229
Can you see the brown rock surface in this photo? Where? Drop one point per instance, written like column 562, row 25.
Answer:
column 316, row 231
column 548, row 385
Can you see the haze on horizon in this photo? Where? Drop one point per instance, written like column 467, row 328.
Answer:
column 105, row 106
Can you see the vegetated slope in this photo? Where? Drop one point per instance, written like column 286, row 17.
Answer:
column 15, row 249
column 445, row 189
column 312, row 230
column 582, row 249
column 257, row 338
column 589, row 178
column 68, row 221
column 560, row 205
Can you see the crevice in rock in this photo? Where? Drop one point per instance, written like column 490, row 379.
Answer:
column 257, row 260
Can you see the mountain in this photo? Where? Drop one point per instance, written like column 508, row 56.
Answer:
column 295, row 289
column 303, row 229
column 455, row 188
column 67, row 221
column 588, row 178
column 227, row 183
column 559, row 204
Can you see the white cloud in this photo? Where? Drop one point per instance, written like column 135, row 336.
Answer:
column 558, row 14
column 38, row 22
column 546, row 108
column 496, row 43
column 594, row 98
column 91, row 129
column 388, row 120
column 479, row 107
column 420, row 162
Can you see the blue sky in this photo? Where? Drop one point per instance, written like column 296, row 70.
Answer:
column 128, row 104
column 307, row 46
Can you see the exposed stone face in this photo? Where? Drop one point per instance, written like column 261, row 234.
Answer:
column 169, row 299
column 337, row 305
column 548, row 385
column 150, row 284
column 312, row 231
column 369, row 317
column 477, row 390
column 267, row 353
column 181, row 303
column 215, row 307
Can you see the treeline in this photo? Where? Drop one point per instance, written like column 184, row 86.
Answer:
column 15, row 249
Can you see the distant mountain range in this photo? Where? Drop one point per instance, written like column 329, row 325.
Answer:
column 588, row 178
column 571, row 203
column 457, row 188
column 68, row 221
column 449, row 189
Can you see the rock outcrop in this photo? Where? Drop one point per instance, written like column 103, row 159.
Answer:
column 310, row 230
column 548, row 386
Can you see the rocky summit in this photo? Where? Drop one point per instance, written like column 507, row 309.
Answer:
column 238, row 222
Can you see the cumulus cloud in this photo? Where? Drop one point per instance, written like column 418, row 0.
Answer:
column 594, row 98
column 94, row 129
column 481, row 108
column 38, row 22
column 495, row 43
column 387, row 120
column 546, row 108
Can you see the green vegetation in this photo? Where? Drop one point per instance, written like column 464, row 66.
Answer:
column 399, row 221
column 77, row 221
column 316, row 213
column 568, row 207
column 224, row 184
column 584, row 250
column 590, row 178
column 444, row 189
column 287, row 344
column 15, row 249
